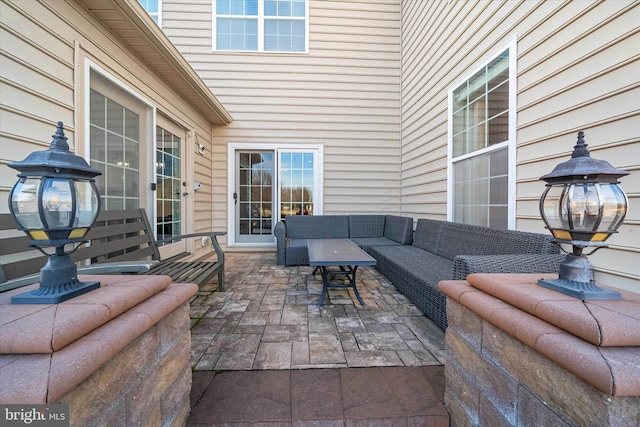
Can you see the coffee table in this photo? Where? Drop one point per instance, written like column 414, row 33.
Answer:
column 340, row 253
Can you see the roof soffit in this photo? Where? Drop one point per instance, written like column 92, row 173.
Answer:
column 133, row 26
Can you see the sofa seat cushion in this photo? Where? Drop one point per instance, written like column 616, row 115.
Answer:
column 367, row 243
column 413, row 264
column 416, row 274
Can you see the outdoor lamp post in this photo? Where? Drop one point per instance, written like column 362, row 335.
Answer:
column 582, row 205
column 55, row 202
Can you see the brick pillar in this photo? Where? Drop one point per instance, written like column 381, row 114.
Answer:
column 118, row 355
column 521, row 355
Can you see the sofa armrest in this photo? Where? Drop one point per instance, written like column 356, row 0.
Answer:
column 464, row 265
column 280, row 231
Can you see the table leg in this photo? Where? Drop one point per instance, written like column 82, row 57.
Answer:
column 350, row 272
column 353, row 285
column 325, row 283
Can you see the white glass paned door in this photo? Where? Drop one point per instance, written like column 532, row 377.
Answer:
column 253, row 197
column 115, row 150
column 297, row 183
column 269, row 182
column 170, row 185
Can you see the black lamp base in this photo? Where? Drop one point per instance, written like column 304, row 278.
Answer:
column 575, row 278
column 581, row 290
column 47, row 295
column 58, row 282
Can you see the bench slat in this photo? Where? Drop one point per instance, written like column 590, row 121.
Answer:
column 12, row 245
column 110, row 230
column 103, row 250
column 188, row 272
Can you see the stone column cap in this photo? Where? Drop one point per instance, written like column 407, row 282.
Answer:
column 612, row 369
column 47, row 377
column 44, row 328
column 605, row 323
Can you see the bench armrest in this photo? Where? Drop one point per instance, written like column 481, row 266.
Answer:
column 117, row 267
column 104, row 268
column 20, row 282
column 464, row 265
column 213, row 235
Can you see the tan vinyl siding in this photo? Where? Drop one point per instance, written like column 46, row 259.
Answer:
column 344, row 94
column 578, row 68
column 36, row 87
column 42, row 55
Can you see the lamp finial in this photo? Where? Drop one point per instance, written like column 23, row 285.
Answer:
column 580, row 149
column 59, row 141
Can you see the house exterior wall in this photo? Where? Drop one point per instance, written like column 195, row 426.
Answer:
column 44, row 51
column 344, row 95
column 577, row 69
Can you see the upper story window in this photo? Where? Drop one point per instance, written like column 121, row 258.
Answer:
column 154, row 8
column 482, row 127
column 260, row 25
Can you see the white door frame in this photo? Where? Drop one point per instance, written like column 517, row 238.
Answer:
column 232, row 147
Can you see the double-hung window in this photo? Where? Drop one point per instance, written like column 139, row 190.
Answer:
column 482, row 127
column 260, row 25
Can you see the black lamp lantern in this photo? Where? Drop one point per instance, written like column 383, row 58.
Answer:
column 55, row 202
column 582, row 205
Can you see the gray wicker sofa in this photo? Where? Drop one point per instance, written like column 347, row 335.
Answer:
column 444, row 250
column 366, row 231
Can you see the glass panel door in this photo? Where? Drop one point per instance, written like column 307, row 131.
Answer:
column 170, row 186
column 115, row 150
column 254, row 196
column 297, row 183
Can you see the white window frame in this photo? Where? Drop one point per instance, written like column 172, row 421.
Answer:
column 158, row 14
column 510, row 143
column 261, row 18
column 277, row 148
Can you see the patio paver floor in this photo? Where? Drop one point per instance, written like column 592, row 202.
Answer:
column 264, row 354
column 267, row 319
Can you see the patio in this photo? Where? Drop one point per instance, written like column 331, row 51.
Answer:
column 262, row 351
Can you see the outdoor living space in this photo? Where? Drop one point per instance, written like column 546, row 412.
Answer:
column 263, row 351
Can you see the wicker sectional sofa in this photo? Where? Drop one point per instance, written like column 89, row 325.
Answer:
column 444, row 250
column 414, row 262
column 366, row 231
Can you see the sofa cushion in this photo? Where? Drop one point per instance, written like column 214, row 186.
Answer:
column 317, row 226
column 367, row 243
column 427, row 235
column 398, row 228
column 366, row 226
column 413, row 264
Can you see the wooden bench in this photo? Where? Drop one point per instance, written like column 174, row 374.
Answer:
column 120, row 242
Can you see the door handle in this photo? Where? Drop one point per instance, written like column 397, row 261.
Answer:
column 235, row 198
